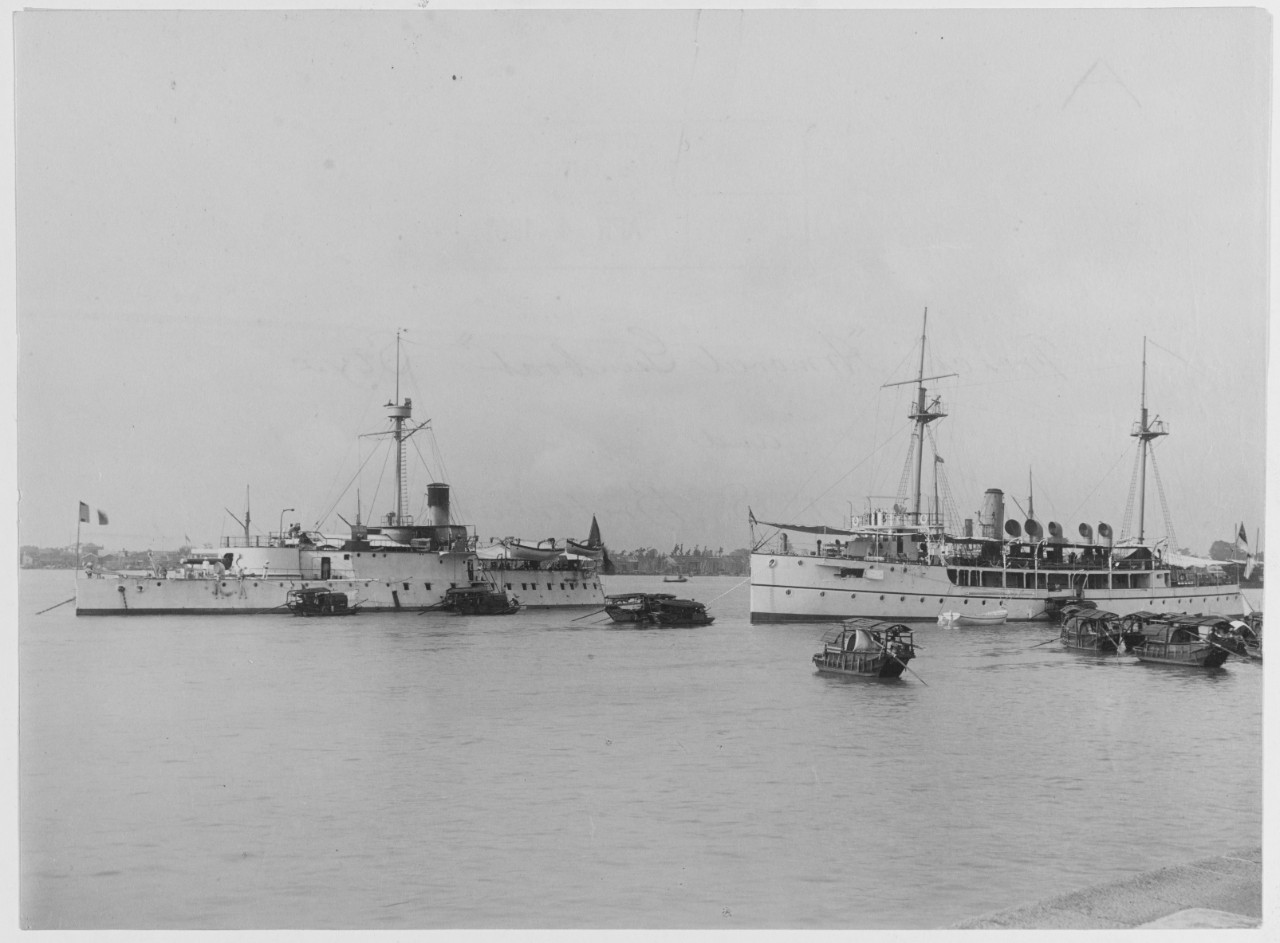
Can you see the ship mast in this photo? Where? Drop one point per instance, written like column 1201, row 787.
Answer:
column 398, row 414
column 1144, row 431
column 923, row 415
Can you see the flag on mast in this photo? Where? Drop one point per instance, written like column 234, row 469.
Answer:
column 84, row 514
column 1243, row 537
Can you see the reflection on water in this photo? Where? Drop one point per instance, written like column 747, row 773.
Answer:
column 547, row 770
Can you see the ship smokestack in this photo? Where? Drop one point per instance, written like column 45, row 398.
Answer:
column 991, row 517
column 438, row 503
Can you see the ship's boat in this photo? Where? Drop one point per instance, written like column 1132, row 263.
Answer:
column 866, row 648
column 513, row 548
column 579, row 549
column 906, row 560
column 990, row 617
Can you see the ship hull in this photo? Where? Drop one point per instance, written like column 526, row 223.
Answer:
column 795, row 588
column 385, row 582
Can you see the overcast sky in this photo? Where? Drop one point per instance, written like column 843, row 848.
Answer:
column 652, row 266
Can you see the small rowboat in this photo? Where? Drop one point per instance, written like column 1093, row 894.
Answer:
column 990, row 617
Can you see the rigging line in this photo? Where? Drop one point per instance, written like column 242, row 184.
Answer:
column 1164, row 505
column 836, row 442
column 334, row 505
column 730, row 589
column 866, row 459
column 896, row 395
column 1076, row 511
column 333, row 484
column 430, row 474
column 949, row 513
column 1167, row 350
column 386, row 459
column 457, row 509
column 1133, row 490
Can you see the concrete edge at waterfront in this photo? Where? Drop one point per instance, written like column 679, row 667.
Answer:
column 1224, row 891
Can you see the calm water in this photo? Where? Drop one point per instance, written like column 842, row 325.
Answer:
column 529, row 771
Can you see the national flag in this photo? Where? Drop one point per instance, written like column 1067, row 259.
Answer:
column 1243, row 537
column 751, row 517
column 84, row 514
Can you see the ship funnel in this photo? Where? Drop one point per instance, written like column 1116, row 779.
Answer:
column 991, row 517
column 1055, row 530
column 1104, row 531
column 1086, row 532
column 1013, row 529
column 1033, row 528
column 438, row 503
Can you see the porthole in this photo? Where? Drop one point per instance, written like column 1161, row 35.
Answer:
column 820, row 594
column 788, row 592
column 882, row 597
column 902, row 599
column 966, row 602
column 922, row 599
